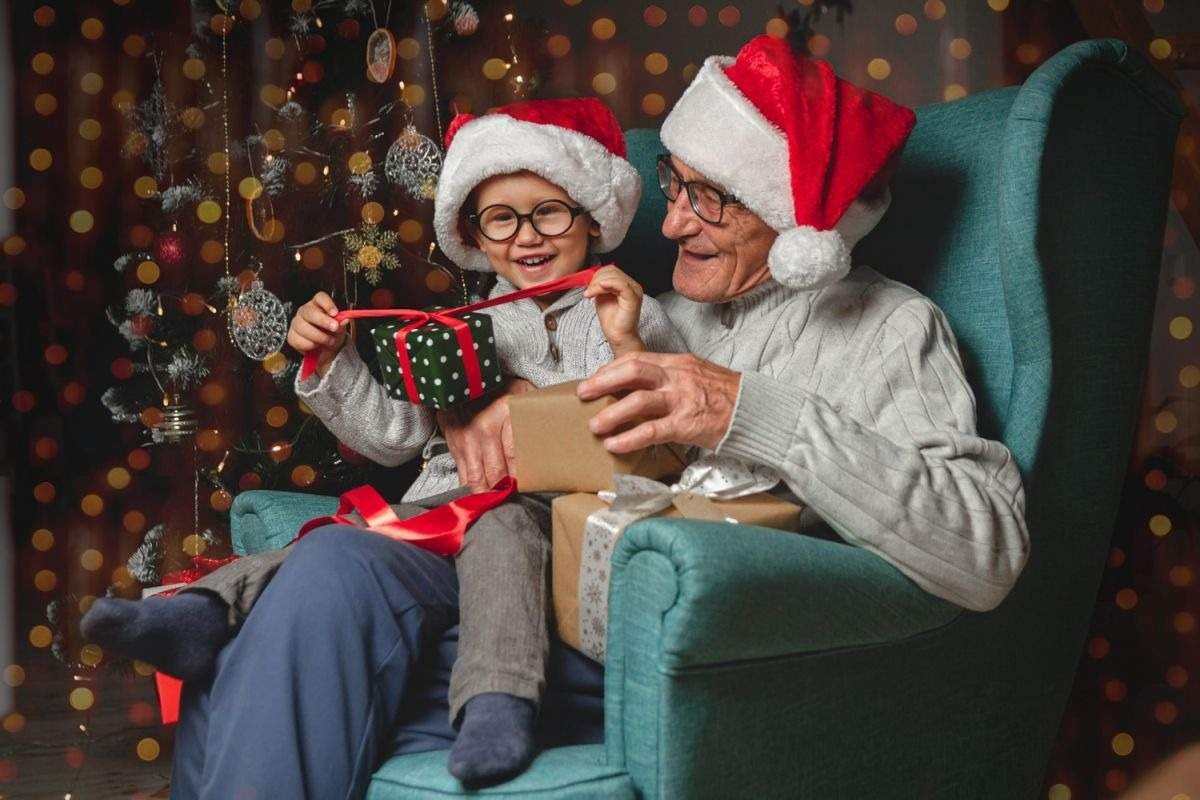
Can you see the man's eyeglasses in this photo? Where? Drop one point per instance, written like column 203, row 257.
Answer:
column 706, row 200
column 549, row 218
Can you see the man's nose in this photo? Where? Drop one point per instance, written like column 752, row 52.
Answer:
column 681, row 221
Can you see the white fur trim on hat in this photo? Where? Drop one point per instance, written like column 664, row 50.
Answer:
column 605, row 184
column 716, row 131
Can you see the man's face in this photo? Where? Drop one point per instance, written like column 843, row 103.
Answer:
column 716, row 262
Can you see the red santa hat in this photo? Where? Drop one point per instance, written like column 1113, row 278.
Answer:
column 574, row 143
column 796, row 145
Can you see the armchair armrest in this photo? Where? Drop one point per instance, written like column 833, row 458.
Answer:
column 713, row 629
column 263, row 519
column 740, row 592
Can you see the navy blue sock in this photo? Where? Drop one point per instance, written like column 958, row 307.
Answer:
column 495, row 742
column 181, row 635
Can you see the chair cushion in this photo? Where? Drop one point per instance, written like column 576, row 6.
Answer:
column 577, row 772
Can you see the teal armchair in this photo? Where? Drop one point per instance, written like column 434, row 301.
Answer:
column 757, row 664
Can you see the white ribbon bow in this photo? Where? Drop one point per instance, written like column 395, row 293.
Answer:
column 633, row 498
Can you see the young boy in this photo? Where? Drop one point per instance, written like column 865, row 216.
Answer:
column 528, row 191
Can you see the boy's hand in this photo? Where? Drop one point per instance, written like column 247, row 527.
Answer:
column 314, row 328
column 619, row 306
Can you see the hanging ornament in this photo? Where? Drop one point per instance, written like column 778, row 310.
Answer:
column 523, row 80
column 465, row 19
column 413, row 163
column 141, row 325
column 370, row 250
column 178, row 421
column 258, row 322
column 381, row 55
column 169, row 248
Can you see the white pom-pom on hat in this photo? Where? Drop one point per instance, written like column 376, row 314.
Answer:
column 806, row 258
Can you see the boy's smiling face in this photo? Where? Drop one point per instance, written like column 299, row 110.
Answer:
column 528, row 257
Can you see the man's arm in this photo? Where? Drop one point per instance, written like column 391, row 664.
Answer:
column 920, row 488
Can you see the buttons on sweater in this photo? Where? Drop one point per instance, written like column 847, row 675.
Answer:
column 551, row 323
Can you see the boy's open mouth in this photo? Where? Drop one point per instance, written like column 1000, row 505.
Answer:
column 532, row 262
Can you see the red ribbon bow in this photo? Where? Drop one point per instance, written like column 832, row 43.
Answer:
column 439, row 530
column 448, row 317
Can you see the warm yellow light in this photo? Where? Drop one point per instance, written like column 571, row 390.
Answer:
column 45, row 580
column 145, row 187
column 250, row 188
column 148, row 749
column 82, row 221
column 604, row 83
column 40, row 636
column 82, row 698
column 604, row 29
column 879, row 68
column 1160, row 49
column 656, row 63
column 208, row 211
column 558, row 45
column 495, row 68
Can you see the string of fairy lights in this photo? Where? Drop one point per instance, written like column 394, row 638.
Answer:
column 581, row 47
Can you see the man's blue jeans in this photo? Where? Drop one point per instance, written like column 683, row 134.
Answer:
column 344, row 661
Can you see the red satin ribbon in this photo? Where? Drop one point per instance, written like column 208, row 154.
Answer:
column 439, row 530
column 446, row 316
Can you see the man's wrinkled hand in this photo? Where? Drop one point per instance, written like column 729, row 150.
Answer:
column 479, row 436
column 671, row 399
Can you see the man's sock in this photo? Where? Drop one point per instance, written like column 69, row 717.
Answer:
column 181, row 635
column 495, row 742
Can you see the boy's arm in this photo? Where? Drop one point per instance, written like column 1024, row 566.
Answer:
column 358, row 410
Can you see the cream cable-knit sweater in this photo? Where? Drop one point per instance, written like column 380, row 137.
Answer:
column 856, row 395
column 562, row 343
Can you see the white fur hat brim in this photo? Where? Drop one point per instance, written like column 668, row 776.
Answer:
column 716, row 131
column 605, row 184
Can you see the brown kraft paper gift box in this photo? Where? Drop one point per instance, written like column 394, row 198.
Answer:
column 557, row 453
column 569, row 515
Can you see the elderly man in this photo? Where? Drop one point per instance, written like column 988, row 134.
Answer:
column 849, row 385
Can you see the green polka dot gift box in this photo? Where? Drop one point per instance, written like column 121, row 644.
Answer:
column 440, row 362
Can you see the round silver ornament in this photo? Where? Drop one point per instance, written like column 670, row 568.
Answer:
column 413, row 163
column 258, row 322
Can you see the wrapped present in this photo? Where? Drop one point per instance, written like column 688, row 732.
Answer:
column 586, row 528
column 438, row 360
column 557, row 453
column 446, row 356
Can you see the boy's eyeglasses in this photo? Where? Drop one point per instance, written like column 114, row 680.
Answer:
column 706, row 200
column 549, row 218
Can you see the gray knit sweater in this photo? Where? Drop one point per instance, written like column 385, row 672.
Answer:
column 562, row 343
column 855, row 394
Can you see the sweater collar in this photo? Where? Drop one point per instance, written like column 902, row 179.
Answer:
column 762, row 299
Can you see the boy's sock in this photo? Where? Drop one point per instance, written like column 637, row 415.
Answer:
column 495, row 742
column 181, row 635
